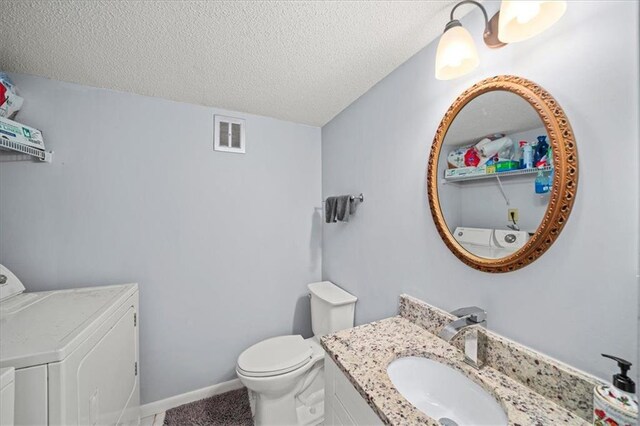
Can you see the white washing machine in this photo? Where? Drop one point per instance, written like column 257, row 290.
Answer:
column 490, row 243
column 75, row 353
column 7, row 393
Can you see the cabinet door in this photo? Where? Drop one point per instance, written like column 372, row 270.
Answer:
column 343, row 404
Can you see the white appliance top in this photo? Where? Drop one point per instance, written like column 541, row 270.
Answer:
column 475, row 236
column 331, row 293
column 277, row 355
column 509, row 239
column 10, row 285
column 42, row 327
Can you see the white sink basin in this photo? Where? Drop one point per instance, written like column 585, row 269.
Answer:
column 444, row 394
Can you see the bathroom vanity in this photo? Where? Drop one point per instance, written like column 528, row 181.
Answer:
column 530, row 388
column 343, row 405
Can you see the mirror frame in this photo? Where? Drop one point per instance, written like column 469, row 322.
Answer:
column 565, row 181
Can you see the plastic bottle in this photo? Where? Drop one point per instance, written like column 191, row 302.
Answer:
column 542, row 148
column 616, row 403
column 521, row 145
column 517, row 153
column 527, row 156
column 542, row 183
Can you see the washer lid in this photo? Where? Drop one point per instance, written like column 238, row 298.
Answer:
column 277, row 355
column 43, row 327
column 475, row 236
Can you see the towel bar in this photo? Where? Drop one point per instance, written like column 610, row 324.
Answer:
column 353, row 197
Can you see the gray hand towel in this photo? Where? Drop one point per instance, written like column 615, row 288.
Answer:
column 330, row 209
column 343, row 208
column 353, row 205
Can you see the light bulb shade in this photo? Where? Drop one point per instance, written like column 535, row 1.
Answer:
column 456, row 54
column 520, row 20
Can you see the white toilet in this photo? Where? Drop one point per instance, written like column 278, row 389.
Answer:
column 285, row 374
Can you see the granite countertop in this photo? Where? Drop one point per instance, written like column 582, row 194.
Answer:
column 363, row 354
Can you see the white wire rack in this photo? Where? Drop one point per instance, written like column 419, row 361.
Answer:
column 25, row 151
column 498, row 174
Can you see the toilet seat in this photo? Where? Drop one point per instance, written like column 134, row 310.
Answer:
column 275, row 356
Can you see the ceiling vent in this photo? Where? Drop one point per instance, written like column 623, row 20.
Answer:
column 229, row 134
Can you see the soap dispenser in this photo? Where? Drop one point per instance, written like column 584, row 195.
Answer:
column 616, row 404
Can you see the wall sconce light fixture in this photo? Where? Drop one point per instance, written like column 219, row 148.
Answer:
column 516, row 21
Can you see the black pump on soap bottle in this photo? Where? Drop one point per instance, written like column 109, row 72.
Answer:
column 621, row 380
column 616, row 403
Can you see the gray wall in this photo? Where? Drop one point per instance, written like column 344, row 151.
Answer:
column 221, row 244
column 580, row 298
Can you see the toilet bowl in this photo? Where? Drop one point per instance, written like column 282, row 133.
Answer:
column 276, row 371
column 285, row 374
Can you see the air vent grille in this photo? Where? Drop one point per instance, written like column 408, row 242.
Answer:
column 229, row 134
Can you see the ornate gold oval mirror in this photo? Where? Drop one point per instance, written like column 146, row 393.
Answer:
column 502, row 174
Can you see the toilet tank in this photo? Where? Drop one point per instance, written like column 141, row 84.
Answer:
column 332, row 308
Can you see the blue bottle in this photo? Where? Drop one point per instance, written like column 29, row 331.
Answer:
column 542, row 183
column 541, row 150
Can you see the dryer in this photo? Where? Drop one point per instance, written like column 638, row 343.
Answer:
column 75, row 353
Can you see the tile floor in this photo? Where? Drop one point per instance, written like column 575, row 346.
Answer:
column 155, row 420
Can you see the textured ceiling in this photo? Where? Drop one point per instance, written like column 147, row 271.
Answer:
column 300, row 61
column 492, row 112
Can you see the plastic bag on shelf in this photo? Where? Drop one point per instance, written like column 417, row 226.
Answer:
column 10, row 102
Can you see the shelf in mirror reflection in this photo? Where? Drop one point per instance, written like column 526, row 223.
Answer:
column 519, row 172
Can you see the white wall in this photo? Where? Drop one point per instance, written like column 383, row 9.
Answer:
column 221, row 244
column 580, row 298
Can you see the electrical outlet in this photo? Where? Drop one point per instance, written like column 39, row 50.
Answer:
column 512, row 215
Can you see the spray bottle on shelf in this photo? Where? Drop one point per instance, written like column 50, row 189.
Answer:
column 527, row 156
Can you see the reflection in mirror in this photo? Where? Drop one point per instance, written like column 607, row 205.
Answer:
column 494, row 174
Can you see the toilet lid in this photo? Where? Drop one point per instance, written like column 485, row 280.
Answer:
column 277, row 355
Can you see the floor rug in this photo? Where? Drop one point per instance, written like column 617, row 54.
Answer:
column 228, row 409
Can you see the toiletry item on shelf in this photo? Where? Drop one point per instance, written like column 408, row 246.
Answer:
column 455, row 158
column 521, row 145
column 517, row 153
column 490, row 147
column 542, row 162
column 506, row 166
column 540, row 154
column 542, row 183
column 527, row 156
column 471, row 157
column 616, row 404
column 10, row 102
column 20, row 133
column 466, row 171
column 550, row 157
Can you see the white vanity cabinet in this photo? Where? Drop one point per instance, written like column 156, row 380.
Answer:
column 343, row 405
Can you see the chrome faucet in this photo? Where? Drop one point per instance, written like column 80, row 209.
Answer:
column 474, row 350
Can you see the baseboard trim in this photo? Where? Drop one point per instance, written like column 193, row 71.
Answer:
column 163, row 405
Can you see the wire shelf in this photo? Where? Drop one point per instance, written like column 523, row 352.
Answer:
column 30, row 151
column 518, row 172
